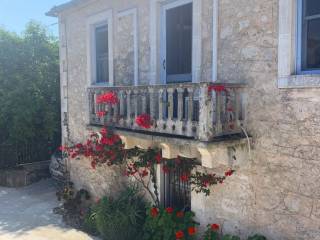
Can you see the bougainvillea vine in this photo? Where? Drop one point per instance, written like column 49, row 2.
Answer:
column 106, row 147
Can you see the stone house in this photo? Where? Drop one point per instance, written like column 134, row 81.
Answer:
column 160, row 56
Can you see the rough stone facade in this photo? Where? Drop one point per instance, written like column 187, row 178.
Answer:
column 275, row 192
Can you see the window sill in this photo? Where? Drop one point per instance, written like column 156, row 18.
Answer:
column 299, row 81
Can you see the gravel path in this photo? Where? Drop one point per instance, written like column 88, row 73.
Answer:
column 26, row 214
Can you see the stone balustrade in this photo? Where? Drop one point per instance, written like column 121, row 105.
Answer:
column 187, row 110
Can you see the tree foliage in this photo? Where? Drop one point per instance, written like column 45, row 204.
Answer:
column 29, row 86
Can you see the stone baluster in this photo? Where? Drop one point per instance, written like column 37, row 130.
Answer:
column 180, row 103
column 151, row 92
column 128, row 92
column 161, row 91
column 116, row 113
column 121, row 102
column 108, row 117
column 190, row 105
column 170, row 92
column 136, row 93
column 237, row 109
column 144, row 101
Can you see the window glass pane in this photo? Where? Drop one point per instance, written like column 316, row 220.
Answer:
column 313, row 44
column 102, row 54
column 179, row 41
column 312, row 7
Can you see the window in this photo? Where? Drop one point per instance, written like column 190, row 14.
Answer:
column 101, row 50
column 308, row 36
column 176, row 193
column 179, row 43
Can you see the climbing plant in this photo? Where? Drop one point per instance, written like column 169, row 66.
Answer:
column 106, row 147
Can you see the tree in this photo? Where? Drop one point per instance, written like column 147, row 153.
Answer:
column 29, row 86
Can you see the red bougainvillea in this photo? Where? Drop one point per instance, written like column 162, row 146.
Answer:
column 108, row 98
column 144, row 121
column 106, row 147
column 216, row 88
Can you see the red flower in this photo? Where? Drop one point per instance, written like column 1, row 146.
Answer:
column 158, row 158
column 179, row 234
column 180, row 214
column 216, row 88
column 144, row 173
column 205, row 183
column 215, row 227
column 154, row 212
column 104, row 131
column 144, row 121
column 93, row 164
column 101, row 114
column 229, row 173
column 184, row 177
column 169, row 210
column 61, row 148
column 108, row 98
column 192, row 231
column 79, row 145
column 74, row 155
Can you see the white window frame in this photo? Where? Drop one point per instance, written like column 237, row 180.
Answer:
column 94, row 21
column 300, row 40
column 288, row 74
column 155, row 27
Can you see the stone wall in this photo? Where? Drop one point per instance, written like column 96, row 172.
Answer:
column 277, row 191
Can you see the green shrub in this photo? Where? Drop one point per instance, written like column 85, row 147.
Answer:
column 89, row 224
column 230, row 237
column 257, row 237
column 169, row 224
column 212, row 233
column 121, row 218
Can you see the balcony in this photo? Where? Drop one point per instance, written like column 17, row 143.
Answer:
column 186, row 110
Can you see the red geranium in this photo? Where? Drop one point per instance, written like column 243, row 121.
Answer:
column 108, row 98
column 169, row 210
column 192, row 231
column 179, row 234
column 216, row 88
column 144, row 121
column 215, row 227
column 180, row 214
column 154, row 212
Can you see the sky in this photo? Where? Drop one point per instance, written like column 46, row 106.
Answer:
column 15, row 14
